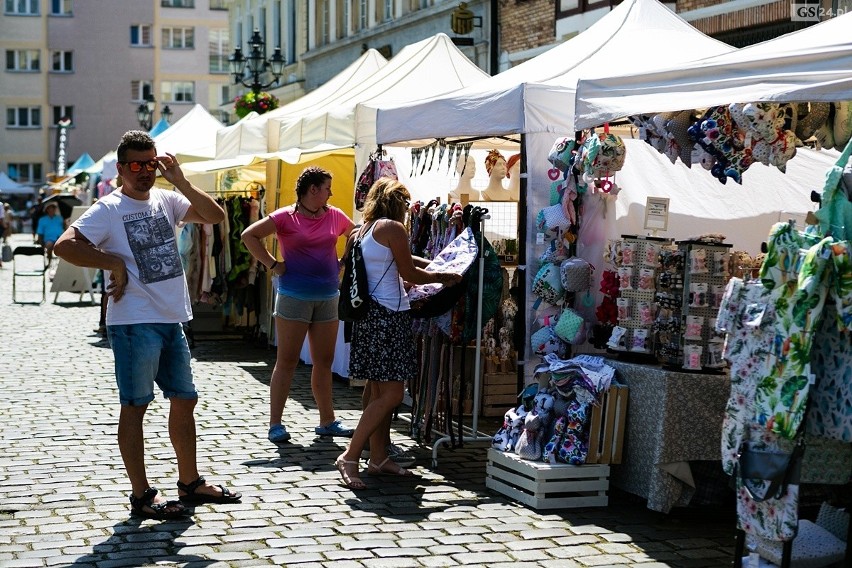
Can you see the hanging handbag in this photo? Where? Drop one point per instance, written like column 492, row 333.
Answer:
column 575, row 274
column 571, row 327
column 354, row 296
column 766, row 473
column 364, row 183
column 547, row 285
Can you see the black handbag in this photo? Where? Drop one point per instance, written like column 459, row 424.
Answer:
column 780, row 468
column 354, row 297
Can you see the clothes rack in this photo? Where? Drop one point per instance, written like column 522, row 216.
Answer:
column 472, row 434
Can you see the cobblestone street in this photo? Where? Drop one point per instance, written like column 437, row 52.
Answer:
column 63, row 489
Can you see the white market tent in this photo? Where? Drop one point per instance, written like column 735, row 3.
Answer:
column 251, row 135
column 8, row 186
column 538, row 95
column 813, row 64
column 192, row 137
column 431, row 67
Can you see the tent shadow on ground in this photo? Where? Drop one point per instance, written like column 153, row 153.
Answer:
column 131, row 543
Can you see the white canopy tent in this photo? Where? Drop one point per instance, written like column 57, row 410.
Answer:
column 538, row 95
column 8, row 186
column 431, row 67
column 192, row 137
column 251, row 134
column 813, row 64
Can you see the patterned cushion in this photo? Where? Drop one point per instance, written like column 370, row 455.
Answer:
column 813, row 547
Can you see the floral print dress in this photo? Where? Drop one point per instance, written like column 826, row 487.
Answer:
column 747, row 315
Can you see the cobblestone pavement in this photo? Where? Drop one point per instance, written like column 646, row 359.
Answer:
column 63, row 491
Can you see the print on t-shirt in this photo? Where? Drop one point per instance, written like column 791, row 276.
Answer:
column 154, row 246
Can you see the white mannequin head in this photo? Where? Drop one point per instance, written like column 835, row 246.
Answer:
column 466, row 168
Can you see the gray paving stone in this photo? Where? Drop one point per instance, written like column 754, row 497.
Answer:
column 64, row 507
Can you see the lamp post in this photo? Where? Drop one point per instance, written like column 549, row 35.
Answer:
column 166, row 113
column 145, row 112
column 255, row 64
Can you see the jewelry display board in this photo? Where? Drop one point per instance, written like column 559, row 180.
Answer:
column 704, row 278
column 639, row 263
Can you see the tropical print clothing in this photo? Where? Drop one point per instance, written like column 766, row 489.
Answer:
column 797, row 279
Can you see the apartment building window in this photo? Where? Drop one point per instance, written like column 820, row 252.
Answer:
column 343, row 16
column 22, row 7
column 140, row 35
column 571, row 7
column 220, row 95
column 178, row 91
column 291, row 31
column 62, row 61
column 22, row 60
column 25, row 173
column 60, row 7
column 218, row 5
column 140, row 90
column 178, row 38
column 178, row 3
column 220, row 48
column 23, row 117
column 63, row 111
column 414, row 5
column 363, row 6
column 323, row 23
column 384, row 10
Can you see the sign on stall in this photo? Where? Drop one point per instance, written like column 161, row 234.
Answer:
column 657, row 214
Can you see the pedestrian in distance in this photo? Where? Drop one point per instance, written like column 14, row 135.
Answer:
column 130, row 234
column 51, row 225
column 307, row 274
column 383, row 350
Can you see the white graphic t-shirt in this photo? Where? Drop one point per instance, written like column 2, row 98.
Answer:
column 142, row 233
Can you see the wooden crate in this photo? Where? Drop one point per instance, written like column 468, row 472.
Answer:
column 606, row 427
column 547, row 486
column 499, row 393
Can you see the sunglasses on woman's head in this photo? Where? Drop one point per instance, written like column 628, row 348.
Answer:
column 136, row 165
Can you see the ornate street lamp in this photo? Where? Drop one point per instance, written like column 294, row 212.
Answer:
column 255, row 64
column 166, row 113
column 145, row 112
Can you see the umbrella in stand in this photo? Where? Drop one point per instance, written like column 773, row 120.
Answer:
column 65, row 201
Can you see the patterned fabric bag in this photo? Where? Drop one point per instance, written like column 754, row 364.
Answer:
column 545, row 341
column 571, row 327
column 575, row 274
column 547, row 285
column 376, row 168
column 552, row 219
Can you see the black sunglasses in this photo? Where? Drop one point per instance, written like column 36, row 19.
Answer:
column 136, row 165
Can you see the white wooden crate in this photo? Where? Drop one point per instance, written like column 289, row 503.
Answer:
column 547, row 486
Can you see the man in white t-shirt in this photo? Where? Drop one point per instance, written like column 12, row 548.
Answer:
column 130, row 234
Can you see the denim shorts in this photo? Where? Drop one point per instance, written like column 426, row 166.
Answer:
column 148, row 353
column 308, row 311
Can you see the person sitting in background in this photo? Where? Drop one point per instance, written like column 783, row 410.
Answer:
column 50, row 227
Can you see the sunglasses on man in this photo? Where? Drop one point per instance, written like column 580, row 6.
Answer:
column 137, row 165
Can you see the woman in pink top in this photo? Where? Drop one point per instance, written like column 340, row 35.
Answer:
column 306, row 303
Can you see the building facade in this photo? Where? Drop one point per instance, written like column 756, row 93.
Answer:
column 95, row 63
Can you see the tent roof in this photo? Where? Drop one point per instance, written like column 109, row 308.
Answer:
column 193, row 135
column 249, row 135
column 813, row 64
column 82, row 164
column 10, row 186
column 159, row 128
column 538, row 95
column 431, row 67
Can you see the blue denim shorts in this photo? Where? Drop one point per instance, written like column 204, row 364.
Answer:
column 308, row 311
column 148, row 353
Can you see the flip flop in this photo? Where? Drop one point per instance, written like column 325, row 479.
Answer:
column 194, row 498
column 353, row 483
column 380, row 469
